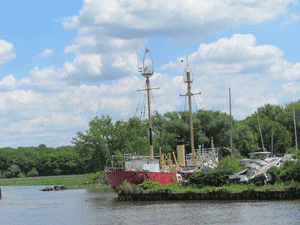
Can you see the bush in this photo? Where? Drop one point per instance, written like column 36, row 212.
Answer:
column 57, row 171
column 150, row 184
column 214, row 178
column 33, row 173
column 127, row 188
column 12, row 171
column 229, row 166
column 218, row 176
column 100, row 178
column 289, row 171
column 21, row 175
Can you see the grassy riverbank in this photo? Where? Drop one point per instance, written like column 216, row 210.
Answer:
column 91, row 181
column 151, row 186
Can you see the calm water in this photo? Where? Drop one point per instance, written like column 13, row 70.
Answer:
column 28, row 205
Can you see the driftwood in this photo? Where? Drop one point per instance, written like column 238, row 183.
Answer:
column 55, row 188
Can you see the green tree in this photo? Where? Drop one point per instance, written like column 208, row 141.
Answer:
column 218, row 176
column 95, row 142
column 13, row 171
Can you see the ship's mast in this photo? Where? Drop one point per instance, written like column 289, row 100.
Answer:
column 188, row 79
column 230, row 122
column 147, row 72
column 262, row 140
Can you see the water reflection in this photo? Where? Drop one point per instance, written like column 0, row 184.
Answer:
column 28, row 205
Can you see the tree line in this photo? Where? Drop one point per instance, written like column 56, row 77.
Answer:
column 41, row 161
column 105, row 137
column 92, row 148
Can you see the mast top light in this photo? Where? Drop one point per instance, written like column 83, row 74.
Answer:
column 188, row 74
column 148, row 64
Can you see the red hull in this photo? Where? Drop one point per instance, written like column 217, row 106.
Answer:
column 117, row 177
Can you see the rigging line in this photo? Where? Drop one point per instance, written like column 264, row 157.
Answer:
column 137, row 108
column 145, row 106
column 154, row 103
column 141, row 106
column 194, row 97
column 143, row 109
column 185, row 104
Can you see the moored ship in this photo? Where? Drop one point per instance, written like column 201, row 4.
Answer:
column 137, row 169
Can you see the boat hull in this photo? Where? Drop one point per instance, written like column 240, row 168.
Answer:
column 118, row 176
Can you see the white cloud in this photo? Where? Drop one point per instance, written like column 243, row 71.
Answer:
column 88, row 64
column 286, row 70
column 238, row 54
column 47, row 52
column 257, row 74
column 8, row 83
column 238, row 48
column 126, row 62
column 6, row 51
column 118, row 28
column 52, row 103
column 47, row 79
column 30, row 113
column 117, row 18
column 292, row 19
column 82, row 68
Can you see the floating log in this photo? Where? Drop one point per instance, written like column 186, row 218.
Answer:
column 55, row 188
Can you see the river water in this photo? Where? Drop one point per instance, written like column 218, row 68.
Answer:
column 29, row 205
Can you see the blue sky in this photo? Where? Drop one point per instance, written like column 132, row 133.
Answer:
column 64, row 62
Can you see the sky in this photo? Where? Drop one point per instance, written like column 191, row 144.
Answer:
column 64, row 62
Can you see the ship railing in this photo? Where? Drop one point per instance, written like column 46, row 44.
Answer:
column 134, row 156
column 114, row 163
column 206, row 153
column 110, row 168
column 203, row 155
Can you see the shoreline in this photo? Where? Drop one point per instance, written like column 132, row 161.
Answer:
column 78, row 181
column 251, row 194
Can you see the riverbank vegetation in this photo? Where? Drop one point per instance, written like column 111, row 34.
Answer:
column 151, row 186
column 83, row 181
column 285, row 177
column 92, row 148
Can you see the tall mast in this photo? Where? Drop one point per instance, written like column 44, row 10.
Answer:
column 262, row 141
column 230, row 122
column 188, row 78
column 147, row 72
